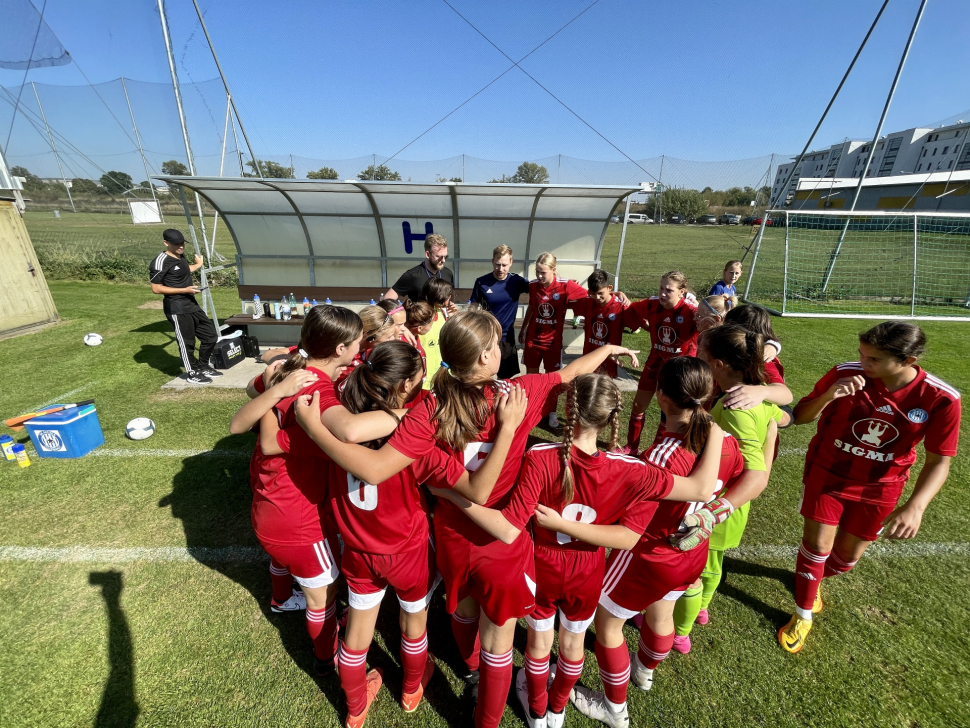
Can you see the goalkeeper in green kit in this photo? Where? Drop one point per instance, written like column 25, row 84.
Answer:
column 735, row 356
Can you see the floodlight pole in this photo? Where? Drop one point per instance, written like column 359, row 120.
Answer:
column 875, row 138
column 185, row 128
column 141, row 151
column 50, row 137
column 619, row 258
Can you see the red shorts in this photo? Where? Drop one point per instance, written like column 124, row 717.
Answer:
column 312, row 565
column 650, row 374
column 635, row 580
column 500, row 577
column 569, row 580
column 551, row 358
column 826, row 505
column 412, row 574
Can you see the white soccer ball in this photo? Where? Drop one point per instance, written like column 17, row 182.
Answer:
column 140, row 428
column 93, row 339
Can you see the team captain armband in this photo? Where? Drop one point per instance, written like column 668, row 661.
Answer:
column 696, row 527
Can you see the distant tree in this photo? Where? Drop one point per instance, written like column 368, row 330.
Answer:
column 531, row 173
column 272, row 170
column 678, row 201
column 763, row 195
column 445, row 179
column 116, row 182
column 455, row 179
column 380, row 173
column 323, row 173
column 81, row 185
column 174, row 167
column 706, row 191
column 504, row 180
column 22, row 172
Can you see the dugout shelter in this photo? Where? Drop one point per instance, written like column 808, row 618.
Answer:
column 350, row 241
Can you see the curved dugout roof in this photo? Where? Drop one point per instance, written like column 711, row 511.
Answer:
column 321, row 233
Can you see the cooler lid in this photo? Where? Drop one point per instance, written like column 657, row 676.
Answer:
column 63, row 417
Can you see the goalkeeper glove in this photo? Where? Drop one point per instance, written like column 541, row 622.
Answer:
column 696, row 528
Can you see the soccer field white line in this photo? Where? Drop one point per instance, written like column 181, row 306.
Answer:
column 62, row 398
column 252, row 555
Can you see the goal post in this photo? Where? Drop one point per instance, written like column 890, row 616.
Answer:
column 835, row 264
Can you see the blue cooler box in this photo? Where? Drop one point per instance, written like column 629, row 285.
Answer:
column 70, row 433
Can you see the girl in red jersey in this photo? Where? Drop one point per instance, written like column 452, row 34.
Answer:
column 378, row 326
column 666, row 562
column 398, row 313
column 669, row 318
column 482, row 575
column 757, row 319
column 602, row 313
column 871, row 415
column 576, row 480
column 545, row 318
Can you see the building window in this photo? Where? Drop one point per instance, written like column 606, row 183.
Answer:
column 934, row 152
column 919, row 168
column 924, row 152
column 950, row 164
column 945, row 149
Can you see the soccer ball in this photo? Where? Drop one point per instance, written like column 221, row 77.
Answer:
column 93, row 339
column 140, row 428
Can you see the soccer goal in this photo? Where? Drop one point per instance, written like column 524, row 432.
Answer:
column 863, row 265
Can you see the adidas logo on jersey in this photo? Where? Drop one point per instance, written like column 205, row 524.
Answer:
column 667, row 320
column 175, row 268
column 489, row 290
column 885, row 409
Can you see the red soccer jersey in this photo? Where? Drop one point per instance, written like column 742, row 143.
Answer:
column 672, row 331
column 774, row 372
column 415, row 437
column 603, row 325
column 290, row 487
column 390, row 517
column 865, row 444
column 668, row 452
column 547, row 307
column 608, row 489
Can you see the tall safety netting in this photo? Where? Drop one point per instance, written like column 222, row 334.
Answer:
column 864, row 264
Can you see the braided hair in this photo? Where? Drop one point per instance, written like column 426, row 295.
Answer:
column 593, row 401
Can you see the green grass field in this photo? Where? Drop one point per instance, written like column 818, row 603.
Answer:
column 152, row 634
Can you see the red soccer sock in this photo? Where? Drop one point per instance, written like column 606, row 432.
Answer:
column 493, row 688
column 536, row 677
column 322, row 626
column 835, row 565
column 353, row 678
column 809, row 568
column 567, row 675
column 634, row 430
column 414, row 656
column 614, row 665
column 653, row 648
column 282, row 581
column 465, row 630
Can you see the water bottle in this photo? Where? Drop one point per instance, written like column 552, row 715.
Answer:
column 373, row 302
column 576, row 322
column 294, row 311
column 257, row 307
column 327, row 301
column 21, row 455
column 313, row 303
column 277, row 311
column 7, row 443
column 306, row 306
column 285, row 313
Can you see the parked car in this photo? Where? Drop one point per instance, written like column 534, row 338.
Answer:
column 707, row 220
column 678, row 220
column 615, row 219
column 729, row 219
column 638, row 219
column 769, row 222
column 749, row 220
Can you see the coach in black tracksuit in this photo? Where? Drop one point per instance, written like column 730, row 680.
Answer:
column 171, row 275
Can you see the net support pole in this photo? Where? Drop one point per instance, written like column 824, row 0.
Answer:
column 141, row 151
column 181, row 110
column 757, row 249
column 912, row 306
column 50, row 138
column 619, row 257
column 875, row 139
column 208, row 304
column 784, row 282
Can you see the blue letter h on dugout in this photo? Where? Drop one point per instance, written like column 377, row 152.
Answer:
column 410, row 237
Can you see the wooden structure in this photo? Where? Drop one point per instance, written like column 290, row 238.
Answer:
column 25, row 299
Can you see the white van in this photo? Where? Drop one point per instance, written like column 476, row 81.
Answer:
column 637, row 219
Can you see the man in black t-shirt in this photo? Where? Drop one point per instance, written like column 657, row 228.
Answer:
column 171, row 276
column 499, row 292
column 412, row 280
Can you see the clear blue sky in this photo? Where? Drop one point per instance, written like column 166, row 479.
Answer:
column 699, row 80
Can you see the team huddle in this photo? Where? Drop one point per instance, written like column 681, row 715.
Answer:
column 391, row 453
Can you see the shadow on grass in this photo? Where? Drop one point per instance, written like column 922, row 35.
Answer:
column 155, row 356
column 772, row 613
column 212, row 497
column 118, row 705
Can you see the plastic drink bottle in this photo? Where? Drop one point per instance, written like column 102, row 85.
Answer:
column 313, row 302
column 21, row 455
column 7, row 443
column 294, row 311
column 306, row 306
column 327, row 301
column 257, row 307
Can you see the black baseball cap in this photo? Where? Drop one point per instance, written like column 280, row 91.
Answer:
column 173, row 236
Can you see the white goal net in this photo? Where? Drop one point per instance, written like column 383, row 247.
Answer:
column 863, row 265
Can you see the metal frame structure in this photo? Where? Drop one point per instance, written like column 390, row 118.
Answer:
column 287, row 198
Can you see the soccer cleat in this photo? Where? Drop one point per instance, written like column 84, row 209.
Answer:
column 471, row 677
column 197, row 377
column 374, row 680
column 640, row 676
column 817, row 605
column 555, row 720
column 593, row 705
column 210, row 372
column 296, row 603
column 682, row 643
column 411, row 701
column 522, row 692
column 792, row 636
column 553, row 421
column 703, row 617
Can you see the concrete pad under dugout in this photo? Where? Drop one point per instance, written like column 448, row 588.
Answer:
column 240, row 375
